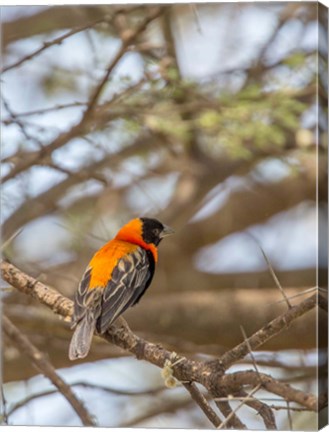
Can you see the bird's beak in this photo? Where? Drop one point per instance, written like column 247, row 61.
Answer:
column 166, row 231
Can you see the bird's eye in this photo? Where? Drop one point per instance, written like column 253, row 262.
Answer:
column 156, row 232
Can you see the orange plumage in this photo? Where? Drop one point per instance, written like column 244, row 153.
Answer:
column 115, row 279
column 106, row 259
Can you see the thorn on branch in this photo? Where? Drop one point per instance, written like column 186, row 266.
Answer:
column 270, row 267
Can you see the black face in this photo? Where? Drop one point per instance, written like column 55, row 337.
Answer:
column 152, row 230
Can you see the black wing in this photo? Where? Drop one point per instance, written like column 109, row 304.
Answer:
column 130, row 278
column 86, row 300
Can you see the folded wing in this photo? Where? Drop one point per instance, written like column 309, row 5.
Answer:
column 130, row 278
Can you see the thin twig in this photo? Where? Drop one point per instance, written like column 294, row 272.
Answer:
column 262, row 399
column 124, row 46
column 20, row 124
column 270, row 330
column 302, row 293
column 239, row 406
column 11, row 239
column 3, row 407
column 42, row 111
column 234, row 381
column 199, row 398
column 197, row 17
column 46, row 368
column 234, row 421
column 107, row 389
column 80, row 127
column 289, row 416
column 262, row 409
column 56, row 41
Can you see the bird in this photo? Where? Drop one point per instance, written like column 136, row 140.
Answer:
column 115, row 279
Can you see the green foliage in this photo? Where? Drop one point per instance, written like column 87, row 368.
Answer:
column 240, row 125
column 250, row 122
column 60, row 80
column 166, row 119
column 296, row 60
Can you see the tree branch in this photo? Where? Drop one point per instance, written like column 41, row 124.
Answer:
column 233, row 413
column 235, row 380
column 199, row 398
column 56, row 41
column 45, row 367
column 267, row 332
column 80, row 128
column 262, row 409
column 209, row 374
column 232, row 420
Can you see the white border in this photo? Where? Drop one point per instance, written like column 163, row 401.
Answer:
column 106, row 2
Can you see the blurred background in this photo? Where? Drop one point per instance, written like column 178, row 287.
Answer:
column 208, row 122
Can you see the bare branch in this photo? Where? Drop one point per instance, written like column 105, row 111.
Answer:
column 267, row 332
column 30, row 286
column 233, row 420
column 45, row 367
column 200, row 399
column 262, row 409
column 3, row 407
column 131, row 36
column 42, row 111
column 106, row 389
column 80, row 128
column 237, row 379
column 224, row 423
column 20, row 124
column 56, row 41
column 48, row 201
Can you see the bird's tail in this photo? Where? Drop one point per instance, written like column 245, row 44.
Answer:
column 82, row 336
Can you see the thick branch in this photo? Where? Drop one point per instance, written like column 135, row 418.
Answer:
column 30, row 286
column 58, row 18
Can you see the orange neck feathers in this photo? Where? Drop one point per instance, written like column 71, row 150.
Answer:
column 132, row 232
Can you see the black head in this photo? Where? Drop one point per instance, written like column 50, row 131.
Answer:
column 154, row 231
